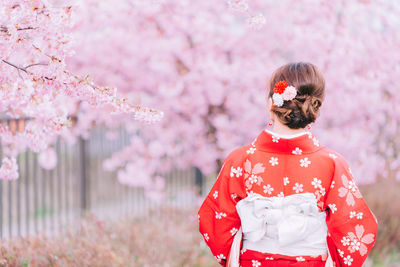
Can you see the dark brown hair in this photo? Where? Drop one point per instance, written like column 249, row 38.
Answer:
column 310, row 86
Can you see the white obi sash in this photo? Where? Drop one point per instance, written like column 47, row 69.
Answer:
column 289, row 225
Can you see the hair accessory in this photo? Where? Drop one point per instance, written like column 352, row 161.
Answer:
column 283, row 91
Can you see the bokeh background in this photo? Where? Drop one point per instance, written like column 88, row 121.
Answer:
column 86, row 181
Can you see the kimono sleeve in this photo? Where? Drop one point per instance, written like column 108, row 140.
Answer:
column 352, row 226
column 218, row 218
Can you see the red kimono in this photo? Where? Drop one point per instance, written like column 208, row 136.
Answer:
column 279, row 166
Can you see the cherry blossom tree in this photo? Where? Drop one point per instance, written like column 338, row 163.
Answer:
column 206, row 64
column 202, row 64
column 36, row 85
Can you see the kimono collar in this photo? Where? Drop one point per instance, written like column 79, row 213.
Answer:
column 297, row 144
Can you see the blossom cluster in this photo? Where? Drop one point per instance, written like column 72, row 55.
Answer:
column 282, row 92
column 37, row 88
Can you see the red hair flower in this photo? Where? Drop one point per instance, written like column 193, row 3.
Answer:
column 280, row 87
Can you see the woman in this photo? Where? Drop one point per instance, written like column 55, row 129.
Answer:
column 285, row 199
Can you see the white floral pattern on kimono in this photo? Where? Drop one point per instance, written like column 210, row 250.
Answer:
column 271, row 167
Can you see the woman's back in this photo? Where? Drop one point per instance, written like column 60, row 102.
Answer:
column 277, row 166
column 286, row 199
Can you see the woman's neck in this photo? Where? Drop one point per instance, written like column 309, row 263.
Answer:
column 279, row 128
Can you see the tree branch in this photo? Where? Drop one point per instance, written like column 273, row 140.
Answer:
column 36, row 64
column 25, row 69
column 5, row 29
column 27, row 28
column 17, row 67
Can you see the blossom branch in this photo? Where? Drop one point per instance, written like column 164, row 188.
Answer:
column 5, row 29
column 17, row 67
column 25, row 69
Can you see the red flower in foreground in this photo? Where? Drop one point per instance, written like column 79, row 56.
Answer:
column 280, row 87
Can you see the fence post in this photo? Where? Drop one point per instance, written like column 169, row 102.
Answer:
column 84, row 176
column 198, row 180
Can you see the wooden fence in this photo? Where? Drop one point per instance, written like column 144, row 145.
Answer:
column 46, row 201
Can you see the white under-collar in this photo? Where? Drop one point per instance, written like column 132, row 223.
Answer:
column 288, row 136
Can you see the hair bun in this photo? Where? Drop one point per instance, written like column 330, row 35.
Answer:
column 310, row 86
column 310, row 107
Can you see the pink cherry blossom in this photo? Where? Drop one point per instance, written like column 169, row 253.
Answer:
column 48, row 159
column 9, row 169
column 203, row 70
column 36, row 85
column 349, row 190
column 209, row 74
column 256, row 21
column 251, row 174
column 359, row 239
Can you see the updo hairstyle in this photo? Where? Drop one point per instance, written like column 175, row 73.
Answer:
column 310, row 85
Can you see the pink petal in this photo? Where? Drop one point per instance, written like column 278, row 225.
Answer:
column 342, row 192
column 359, row 230
column 368, row 238
column 363, row 250
column 247, row 166
column 351, row 235
column 350, row 199
column 345, row 181
column 258, row 168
